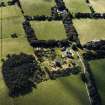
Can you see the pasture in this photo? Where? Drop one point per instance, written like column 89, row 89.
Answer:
column 98, row 69
column 41, row 7
column 75, row 6
column 53, row 30
column 63, row 91
column 90, row 29
column 69, row 90
column 98, row 5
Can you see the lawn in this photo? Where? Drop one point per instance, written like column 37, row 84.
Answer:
column 98, row 5
column 63, row 91
column 39, row 7
column 77, row 6
column 98, row 69
column 49, row 30
column 90, row 29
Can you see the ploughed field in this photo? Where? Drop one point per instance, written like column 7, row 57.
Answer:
column 63, row 91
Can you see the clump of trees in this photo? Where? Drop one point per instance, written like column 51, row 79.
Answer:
column 95, row 50
column 95, row 45
column 63, row 73
column 19, row 71
column 60, row 5
column 2, row 4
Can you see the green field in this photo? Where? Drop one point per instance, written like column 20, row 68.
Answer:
column 39, row 7
column 60, row 92
column 67, row 90
column 90, row 29
column 63, row 91
column 11, row 21
column 49, row 30
column 77, row 6
column 98, row 5
column 98, row 69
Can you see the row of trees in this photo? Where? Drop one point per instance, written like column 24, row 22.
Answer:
column 63, row 73
column 95, row 45
column 72, row 34
column 90, row 6
column 88, row 78
column 49, row 43
column 95, row 50
column 31, row 36
column 98, row 54
column 60, row 5
column 42, row 18
column 90, row 15
column 12, row 2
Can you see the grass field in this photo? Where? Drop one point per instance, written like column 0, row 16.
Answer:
column 77, row 6
column 12, row 46
column 63, row 91
column 90, row 29
column 98, row 5
column 11, row 21
column 39, row 7
column 49, row 30
column 98, row 69
column 69, row 91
